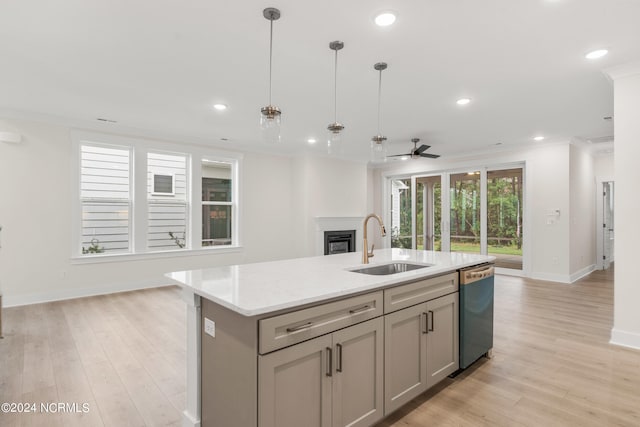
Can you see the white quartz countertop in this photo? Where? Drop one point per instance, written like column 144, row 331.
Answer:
column 260, row 288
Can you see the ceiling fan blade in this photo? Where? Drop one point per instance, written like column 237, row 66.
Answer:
column 431, row 156
column 421, row 149
column 399, row 155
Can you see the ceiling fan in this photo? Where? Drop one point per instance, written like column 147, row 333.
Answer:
column 418, row 151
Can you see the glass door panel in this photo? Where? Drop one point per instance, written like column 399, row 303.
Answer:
column 464, row 202
column 401, row 213
column 504, row 217
column 428, row 233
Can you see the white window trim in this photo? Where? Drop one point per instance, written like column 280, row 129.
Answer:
column 138, row 220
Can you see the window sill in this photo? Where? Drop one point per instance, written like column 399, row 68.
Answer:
column 98, row 259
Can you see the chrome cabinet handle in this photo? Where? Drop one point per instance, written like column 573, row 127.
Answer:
column 432, row 322
column 329, row 362
column 299, row 327
column 425, row 323
column 339, row 358
column 360, row 309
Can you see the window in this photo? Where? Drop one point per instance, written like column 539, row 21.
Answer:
column 139, row 197
column 105, row 197
column 217, row 203
column 167, row 201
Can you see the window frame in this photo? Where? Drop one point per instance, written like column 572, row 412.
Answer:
column 138, row 205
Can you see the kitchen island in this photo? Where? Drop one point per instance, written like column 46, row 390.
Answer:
column 308, row 341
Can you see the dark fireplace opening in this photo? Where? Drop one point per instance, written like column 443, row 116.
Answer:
column 339, row 242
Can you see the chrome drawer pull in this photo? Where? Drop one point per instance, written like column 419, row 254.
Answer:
column 359, row 310
column 299, row 327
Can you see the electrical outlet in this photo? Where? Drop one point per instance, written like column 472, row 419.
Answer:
column 209, row 327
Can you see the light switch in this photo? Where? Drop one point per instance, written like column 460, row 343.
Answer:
column 209, row 327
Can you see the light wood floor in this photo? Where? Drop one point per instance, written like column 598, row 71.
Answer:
column 124, row 354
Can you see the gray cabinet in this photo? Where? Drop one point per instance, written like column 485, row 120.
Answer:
column 332, row 380
column 294, row 386
column 442, row 338
column 421, row 348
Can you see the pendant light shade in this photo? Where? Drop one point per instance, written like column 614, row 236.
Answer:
column 379, row 142
column 270, row 115
column 334, row 143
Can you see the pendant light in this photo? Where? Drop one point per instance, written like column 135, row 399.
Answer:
column 270, row 115
column 333, row 140
column 378, row 142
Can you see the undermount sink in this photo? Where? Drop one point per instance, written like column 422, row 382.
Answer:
column 393, row 268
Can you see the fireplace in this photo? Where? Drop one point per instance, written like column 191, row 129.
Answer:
column 339, row 242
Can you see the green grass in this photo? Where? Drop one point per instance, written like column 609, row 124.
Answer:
column 475, row 248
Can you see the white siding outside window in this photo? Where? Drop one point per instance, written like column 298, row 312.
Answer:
column 105, row 197
column 167, row 202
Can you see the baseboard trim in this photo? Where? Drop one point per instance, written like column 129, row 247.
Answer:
column 64, row 294
column 583, row 272
column 189, row 421
column 625, row 339
column 551, row 277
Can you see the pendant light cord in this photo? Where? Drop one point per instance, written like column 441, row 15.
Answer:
column 379, row 96
column 335, row 89
column 270, row 57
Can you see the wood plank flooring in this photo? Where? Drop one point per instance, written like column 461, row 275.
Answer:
column 124, row 355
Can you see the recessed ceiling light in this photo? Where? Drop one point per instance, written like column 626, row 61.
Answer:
column 384, row 19
column 404, row 158
column 538, row 138
column 463, row 101
column 312, row 140
column 596, row 54
column 220, row 107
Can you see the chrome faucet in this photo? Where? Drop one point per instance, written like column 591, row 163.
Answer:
column 365, row 245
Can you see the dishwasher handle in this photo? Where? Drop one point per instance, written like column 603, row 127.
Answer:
column 470, row 276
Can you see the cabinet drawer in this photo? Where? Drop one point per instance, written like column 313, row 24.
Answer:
column 424, row 290
column 291, row 328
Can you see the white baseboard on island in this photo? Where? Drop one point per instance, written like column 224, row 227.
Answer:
column 625, row 339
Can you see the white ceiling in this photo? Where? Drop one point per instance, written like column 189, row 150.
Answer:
column 159, row 66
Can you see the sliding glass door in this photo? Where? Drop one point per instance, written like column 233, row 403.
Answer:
column 474, row 211
column 504, row 217
column 464, row 216
column 428, row 217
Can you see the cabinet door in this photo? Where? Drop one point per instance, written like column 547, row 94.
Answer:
column 405, row 356
column 442, row 338
column 358, row 374
column 294, row 385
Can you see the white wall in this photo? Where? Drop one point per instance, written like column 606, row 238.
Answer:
column 35, row 213
column 582, row 212
column 326, row 187
column 546, row 246
column 626, row 322
column 603, row 165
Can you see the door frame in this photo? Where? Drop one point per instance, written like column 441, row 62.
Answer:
column 600, row 180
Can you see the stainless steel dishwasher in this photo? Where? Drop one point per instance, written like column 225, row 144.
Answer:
column 476, row 313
